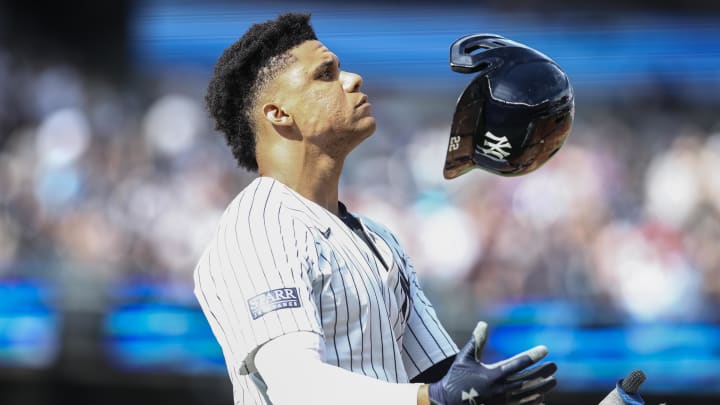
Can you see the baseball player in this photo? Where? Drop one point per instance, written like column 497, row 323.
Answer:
column 310, row 302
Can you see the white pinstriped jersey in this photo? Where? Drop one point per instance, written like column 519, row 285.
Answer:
column 280, row 263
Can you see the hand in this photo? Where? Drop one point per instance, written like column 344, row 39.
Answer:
column 471, row 382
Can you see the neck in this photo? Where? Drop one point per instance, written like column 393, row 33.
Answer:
column 316, row 178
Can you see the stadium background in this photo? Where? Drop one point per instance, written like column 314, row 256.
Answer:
column 112, row 180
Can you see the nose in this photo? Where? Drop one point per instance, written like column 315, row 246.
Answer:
column 351, row 81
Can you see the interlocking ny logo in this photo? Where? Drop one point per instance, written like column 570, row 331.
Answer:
column 496, row 146
column 469, row 396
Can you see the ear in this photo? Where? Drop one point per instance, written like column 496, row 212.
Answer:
column 276, row 115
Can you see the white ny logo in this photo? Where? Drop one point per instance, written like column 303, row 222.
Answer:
column 496, row 146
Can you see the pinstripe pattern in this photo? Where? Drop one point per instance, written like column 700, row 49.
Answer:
column 370, row 310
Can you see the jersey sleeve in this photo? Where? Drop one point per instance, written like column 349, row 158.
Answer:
column 254, row 283
column 425, row 341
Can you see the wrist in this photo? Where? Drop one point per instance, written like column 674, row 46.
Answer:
column 423, row 396
column 436, row 394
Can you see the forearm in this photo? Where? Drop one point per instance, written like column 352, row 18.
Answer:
column 295, row 374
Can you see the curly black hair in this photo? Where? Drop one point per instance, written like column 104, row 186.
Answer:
column 241, row 72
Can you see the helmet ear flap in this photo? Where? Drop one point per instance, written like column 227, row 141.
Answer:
column 468, row 113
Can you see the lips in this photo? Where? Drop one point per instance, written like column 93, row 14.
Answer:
column 362, row 101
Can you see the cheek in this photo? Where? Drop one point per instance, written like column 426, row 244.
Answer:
column 319, row 107
column 335, row 112
column 310, row 113
column 325, row 109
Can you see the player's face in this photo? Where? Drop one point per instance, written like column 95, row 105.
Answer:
column 325, row 102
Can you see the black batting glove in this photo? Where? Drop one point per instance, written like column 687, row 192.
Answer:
column 508, row 382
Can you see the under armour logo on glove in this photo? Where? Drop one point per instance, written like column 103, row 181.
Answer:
column 469, row 396
column 471, row 382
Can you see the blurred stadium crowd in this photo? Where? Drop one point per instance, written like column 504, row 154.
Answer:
column 105, row 183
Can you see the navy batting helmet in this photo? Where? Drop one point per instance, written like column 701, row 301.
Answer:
column 514, row 115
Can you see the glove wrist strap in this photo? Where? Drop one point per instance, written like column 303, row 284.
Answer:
column 436, row 394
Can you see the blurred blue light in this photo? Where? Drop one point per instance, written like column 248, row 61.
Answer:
column 408, row 46
column 29, row 327
column 160, row 335
column 674, row 357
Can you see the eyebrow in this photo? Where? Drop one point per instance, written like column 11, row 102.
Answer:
column 325, row 65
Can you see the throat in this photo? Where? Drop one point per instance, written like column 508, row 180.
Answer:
column 312, row 174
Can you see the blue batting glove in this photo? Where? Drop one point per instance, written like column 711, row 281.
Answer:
column 471, row 382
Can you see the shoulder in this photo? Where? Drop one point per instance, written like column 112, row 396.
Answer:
column 267, row 209
column 256, row 196
column 261, row 200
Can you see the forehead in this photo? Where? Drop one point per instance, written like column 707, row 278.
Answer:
column 312, row 53
column 306, row 59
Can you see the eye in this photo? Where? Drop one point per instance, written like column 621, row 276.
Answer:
column 326, row 74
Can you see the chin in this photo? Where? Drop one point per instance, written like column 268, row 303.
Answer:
column 368, row 127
